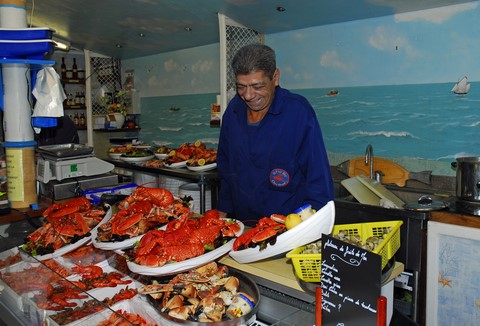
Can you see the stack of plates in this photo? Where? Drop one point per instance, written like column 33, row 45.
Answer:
column 145, row 179
column 193, row 190
column 172, row 184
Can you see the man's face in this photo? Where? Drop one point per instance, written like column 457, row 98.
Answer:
column 257, row 90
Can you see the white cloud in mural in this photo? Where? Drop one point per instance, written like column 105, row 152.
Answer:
column 308, row 76
column 154, row 82
column 384, row 39
column 299, row 36
column 437, row 15
column 171, row 65
column 202, row 66
column 331, row 59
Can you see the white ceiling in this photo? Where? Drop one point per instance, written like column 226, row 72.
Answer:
column 103, row 24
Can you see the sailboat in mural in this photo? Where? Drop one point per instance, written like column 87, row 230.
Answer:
column 461, row 87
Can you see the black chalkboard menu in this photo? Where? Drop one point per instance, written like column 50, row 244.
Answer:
column 351, row 279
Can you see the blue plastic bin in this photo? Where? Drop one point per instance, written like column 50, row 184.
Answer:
column 37, row 33
column 26, row 49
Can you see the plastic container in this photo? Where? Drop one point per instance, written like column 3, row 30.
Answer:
column 305, row 211
column 26, row 49
column 308, row 266
column 36, row 33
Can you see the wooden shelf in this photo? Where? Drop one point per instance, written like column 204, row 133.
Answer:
column 118, row 129
column 74, row 107
column 73, row 81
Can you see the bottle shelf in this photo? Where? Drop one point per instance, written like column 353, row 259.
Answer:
column 118, row 129
column 73, row 81
column 74, row 107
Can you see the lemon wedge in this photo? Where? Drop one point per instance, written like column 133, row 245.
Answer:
column 197, row 143
column 292, row 220
column 201, row 162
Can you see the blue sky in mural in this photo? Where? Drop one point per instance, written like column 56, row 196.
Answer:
column 429, row 46
column 438, row 45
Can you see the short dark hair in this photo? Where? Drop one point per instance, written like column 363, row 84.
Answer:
column 254, row 57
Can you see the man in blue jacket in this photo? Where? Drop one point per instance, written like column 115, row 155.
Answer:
column 271, row 156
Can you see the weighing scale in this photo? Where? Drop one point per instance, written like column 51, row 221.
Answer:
column 65, row 171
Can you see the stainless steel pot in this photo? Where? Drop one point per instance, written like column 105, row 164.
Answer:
column 468, row 178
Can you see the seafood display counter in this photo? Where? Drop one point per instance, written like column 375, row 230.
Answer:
column 24, row 279
column 203, row 178
column 82, row 282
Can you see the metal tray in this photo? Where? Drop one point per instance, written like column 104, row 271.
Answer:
column 247, row 285
column 65, row 150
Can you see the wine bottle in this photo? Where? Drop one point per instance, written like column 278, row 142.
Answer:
column 76, row 120
column 63, row 69
column 75, row 69
column 82, row 120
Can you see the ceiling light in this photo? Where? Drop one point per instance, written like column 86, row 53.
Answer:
column 61, row 45
column 118, row 46
column 281, row 9
column 188, row 29
column 141, row 34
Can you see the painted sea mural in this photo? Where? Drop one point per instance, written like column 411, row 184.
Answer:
column 394, row 74
column 424, row 121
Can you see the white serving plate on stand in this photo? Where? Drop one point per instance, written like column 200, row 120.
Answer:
column 70, row 247
column 308, row 231
column 202, row 168
column 185, row 265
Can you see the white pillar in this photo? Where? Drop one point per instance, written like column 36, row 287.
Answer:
column 17, row 108
column 13, row 14
column 17, row 103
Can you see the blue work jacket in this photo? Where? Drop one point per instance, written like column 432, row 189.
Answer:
column 275, row 166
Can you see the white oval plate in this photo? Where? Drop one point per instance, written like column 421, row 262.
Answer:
column 202, row 168
column 119, row 245
column 185, row 265
column 70, row 247
column 137, row 159
column 113, row 245
column 160, row 156
column 176, row 165
column 308, row 231
column 115, row 156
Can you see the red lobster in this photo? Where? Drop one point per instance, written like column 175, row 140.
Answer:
column 264, row 232
column 183, row 238
column 79, row 204
column 125, row 220
column 158, row 196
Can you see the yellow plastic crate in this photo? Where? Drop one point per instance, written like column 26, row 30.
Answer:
column 308, row 266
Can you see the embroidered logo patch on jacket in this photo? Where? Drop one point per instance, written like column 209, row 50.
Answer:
column 279, row 177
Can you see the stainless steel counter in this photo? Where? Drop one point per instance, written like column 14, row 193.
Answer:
column 203, row 179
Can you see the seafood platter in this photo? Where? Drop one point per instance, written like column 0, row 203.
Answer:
column 194, row 156
column 66, row 227
column 209, row 293
column 270, row 238
column 146, row 209
column 131, row 153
